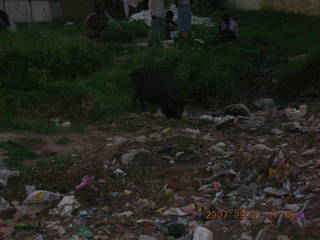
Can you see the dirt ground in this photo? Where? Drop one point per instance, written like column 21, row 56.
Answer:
column 217, row 179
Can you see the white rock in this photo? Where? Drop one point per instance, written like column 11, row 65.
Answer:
column 221, row 144
column 295, row 114
column 66, row 124
column 192, row 131
column 141, row 139
column 202, row 233
column 206, row 117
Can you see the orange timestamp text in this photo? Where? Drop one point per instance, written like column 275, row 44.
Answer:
column 252, row 214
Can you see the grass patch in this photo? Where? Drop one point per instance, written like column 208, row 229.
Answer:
column 56, row 163
column 63, row 141
column 17, row 153
column 46, row 67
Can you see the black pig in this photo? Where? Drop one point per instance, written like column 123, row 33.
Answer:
column 155, row 87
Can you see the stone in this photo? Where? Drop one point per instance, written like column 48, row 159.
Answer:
column 202, row 233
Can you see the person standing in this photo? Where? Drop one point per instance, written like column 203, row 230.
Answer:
column 96, row 22
column 156, row 9
column 184, row 17
column 228, row 31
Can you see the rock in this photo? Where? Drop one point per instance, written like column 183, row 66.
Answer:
column 155, row 135
column 202, row 233
column 238, row 110
column 221, row 144
column 309, row 152
column 282, row 237
column 217, row 150
column 176, row 229
column 277, row 131
column 274, row 191
column 192, row 131
column 261, row 147
column 146, row 237
column 120, row 140
column 140, row 139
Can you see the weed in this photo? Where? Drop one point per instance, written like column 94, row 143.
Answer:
column 62, row 141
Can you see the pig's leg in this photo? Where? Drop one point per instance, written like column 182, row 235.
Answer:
column 142, row 104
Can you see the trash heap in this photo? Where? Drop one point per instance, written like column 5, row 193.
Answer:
column 227, row 174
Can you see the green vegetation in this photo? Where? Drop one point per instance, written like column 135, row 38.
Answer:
column 17, row 153
column 51, row 70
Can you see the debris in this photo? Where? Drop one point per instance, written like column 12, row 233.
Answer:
column 309, row 152
column 124, row 214
column 84, row 232
column 202, row 233
column 221, row 144
column 41, row 196
column 266, row 104
column 274, row 191
column 224, row 122
column 206, row 117
column 293, row 207
column 66, row 206
column 66, row 124
column 5, row 175
column 155, row 135
column 145, row 237
column 119, row 172
column 216, row 149
column 85, row 181
column 297, row 58
column 192, row 131
column 140, row 139
column 68, row 23
column 30, row 189
column 282, row 237
column 4, row 205
column 294, row 114
column 176, row 229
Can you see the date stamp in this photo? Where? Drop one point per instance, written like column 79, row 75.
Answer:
column 251, row 214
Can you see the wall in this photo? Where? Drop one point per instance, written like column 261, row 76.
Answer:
column 27, row 11
column 307, row 7
column 76, row 8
